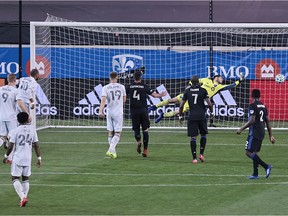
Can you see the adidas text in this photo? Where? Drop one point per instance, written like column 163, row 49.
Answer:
column 44, row 109
column 87, row 110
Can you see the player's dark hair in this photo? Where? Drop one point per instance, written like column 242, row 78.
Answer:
column 11, row 78
column 215, row 76
column 113, row 75
column 137, row 75
column 34, row 72
column 22, row 117
column 255, row 93
column 195, row 80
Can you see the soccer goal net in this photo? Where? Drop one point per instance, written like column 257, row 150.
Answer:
column 75, row 60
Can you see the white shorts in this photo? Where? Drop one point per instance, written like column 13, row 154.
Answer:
column 20, row 170
column 7, row 126
column 114, row 123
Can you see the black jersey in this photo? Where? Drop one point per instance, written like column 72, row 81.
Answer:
column 196, row 97
column 138, row 96
column 258, row 109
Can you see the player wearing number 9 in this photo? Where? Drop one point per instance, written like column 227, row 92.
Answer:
column 138, row 92
column 258, row 116
column 9, row 98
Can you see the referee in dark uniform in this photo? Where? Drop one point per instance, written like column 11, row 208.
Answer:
column 197, row 122
column 258, row 116
column 138, row 92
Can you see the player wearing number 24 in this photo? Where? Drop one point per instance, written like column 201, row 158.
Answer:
column 138, row 92
column 258, row 116
column 22, row 140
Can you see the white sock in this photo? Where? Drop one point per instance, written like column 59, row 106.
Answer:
column 114, row 143
column 25, row 187
column 18, row 188
column 1, row 141
column 109, row 139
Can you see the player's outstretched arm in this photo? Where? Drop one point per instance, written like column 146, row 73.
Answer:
column 38, row 153
column 102, row 105
column 22, row 106
column 247, row 124
column 8, row 152
column 159, row 95
column 271, row 137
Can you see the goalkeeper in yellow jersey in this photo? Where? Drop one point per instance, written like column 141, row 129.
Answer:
column 213, row 86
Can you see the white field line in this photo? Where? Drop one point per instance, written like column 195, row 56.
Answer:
column 157, row 185
column 129, row 143
column 145, row 174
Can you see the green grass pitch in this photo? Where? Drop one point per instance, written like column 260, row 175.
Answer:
column 78, row 179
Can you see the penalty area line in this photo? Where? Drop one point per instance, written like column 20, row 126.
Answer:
column 157, row 185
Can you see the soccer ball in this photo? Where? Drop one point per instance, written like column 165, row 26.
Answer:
column 280, row 78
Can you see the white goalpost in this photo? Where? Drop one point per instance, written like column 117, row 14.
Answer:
column 75, row 59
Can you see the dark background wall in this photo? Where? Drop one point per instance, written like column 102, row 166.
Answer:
column 136, row 11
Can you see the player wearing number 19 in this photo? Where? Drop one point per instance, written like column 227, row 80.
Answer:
column 258, row 116
column 138, row 92
column 115, row 96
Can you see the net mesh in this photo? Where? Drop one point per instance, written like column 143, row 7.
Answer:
column 78, row 59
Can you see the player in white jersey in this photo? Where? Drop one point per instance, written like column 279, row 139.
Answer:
column 9, row 98
column 115, row 95
column 24, row 138
column 27, row 87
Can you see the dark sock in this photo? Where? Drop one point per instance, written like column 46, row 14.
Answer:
column 145, row 139
column 256, row 158
column 137, row 135
column 255, row 168
column 193, row 147
column 202, row 144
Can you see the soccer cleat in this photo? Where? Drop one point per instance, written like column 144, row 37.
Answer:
column 268, row 171
column 23, row 202
column 253, row 177
column 111, row 155
column 202, row 158
column 138, row 148
column 194, row 161
column 152, row 108
column 159, row 118
column 145, row 153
